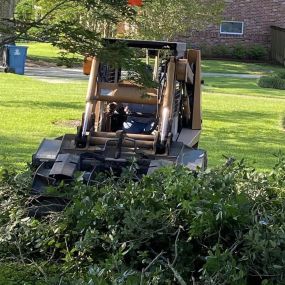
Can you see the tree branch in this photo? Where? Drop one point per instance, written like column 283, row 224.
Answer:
column 25, row 27
column 150, row 264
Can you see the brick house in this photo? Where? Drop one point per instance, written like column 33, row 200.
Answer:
column 244, row 22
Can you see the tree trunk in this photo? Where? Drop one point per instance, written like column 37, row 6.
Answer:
column 7, row 8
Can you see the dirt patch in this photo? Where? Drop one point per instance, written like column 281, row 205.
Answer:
column 30, row 62
column 39, row 63
column 67, row 123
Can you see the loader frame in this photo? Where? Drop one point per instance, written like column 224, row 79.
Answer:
column 173, row 141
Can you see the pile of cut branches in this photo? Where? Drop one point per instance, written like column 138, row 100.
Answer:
column 223, row 226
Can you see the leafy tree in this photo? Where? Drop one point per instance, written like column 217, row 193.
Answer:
column 167, row 19
column 74, row 25
column 78, row 26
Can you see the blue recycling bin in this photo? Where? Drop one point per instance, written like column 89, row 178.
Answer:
column 17, row 58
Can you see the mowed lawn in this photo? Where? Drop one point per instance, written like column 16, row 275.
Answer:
column 28, row 110
column 43, row 51
column 240, row 119
column 228, row 66
column 243, row 126
column 48, row 53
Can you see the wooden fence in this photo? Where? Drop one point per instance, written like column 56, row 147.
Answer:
column 278, row 44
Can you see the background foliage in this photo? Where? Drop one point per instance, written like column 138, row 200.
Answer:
column 73, row 25
column 166, row 20
column 78, row 26
column 241, row 52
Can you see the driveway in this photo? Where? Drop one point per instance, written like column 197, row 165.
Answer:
column 55, row 74
column 68, row 75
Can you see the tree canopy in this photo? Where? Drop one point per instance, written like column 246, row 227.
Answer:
column 167, row 19
column 74, row 25
column 79, row 25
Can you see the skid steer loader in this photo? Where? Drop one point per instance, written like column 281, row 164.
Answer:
column 124, row 121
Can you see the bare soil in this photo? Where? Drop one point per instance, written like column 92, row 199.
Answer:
column 39, row 63
column 67, row 123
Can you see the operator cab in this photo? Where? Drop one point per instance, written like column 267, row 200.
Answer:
column 141, row 119
column 140, row 115
column 137, row 117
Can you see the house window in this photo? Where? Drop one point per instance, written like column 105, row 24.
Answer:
column 231, row 28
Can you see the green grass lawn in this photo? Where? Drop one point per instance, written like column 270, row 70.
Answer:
column 47, row 52
column 44, row 51
column 237, row 86
column 240, row 118
column 220, row 66
column 243, row 120
column 248, row 127
column 28, row 109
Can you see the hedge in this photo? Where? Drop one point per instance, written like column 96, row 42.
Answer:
column 253, row 52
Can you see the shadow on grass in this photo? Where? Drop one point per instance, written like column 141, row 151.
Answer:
column 43, row 58
column 231, row 82
column 228, row 67
column 240, row 86
column 43, row 104
column 238, row 117
column 220, row 66
column 74, row 61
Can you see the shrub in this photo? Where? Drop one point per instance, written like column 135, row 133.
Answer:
column 274, row 82
column 254, row 52
column 240, row 52
column 257, row 52
column 281, row 74
column 223, row 226
column 16, row 273
column 206, row 51
column 221, row 50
